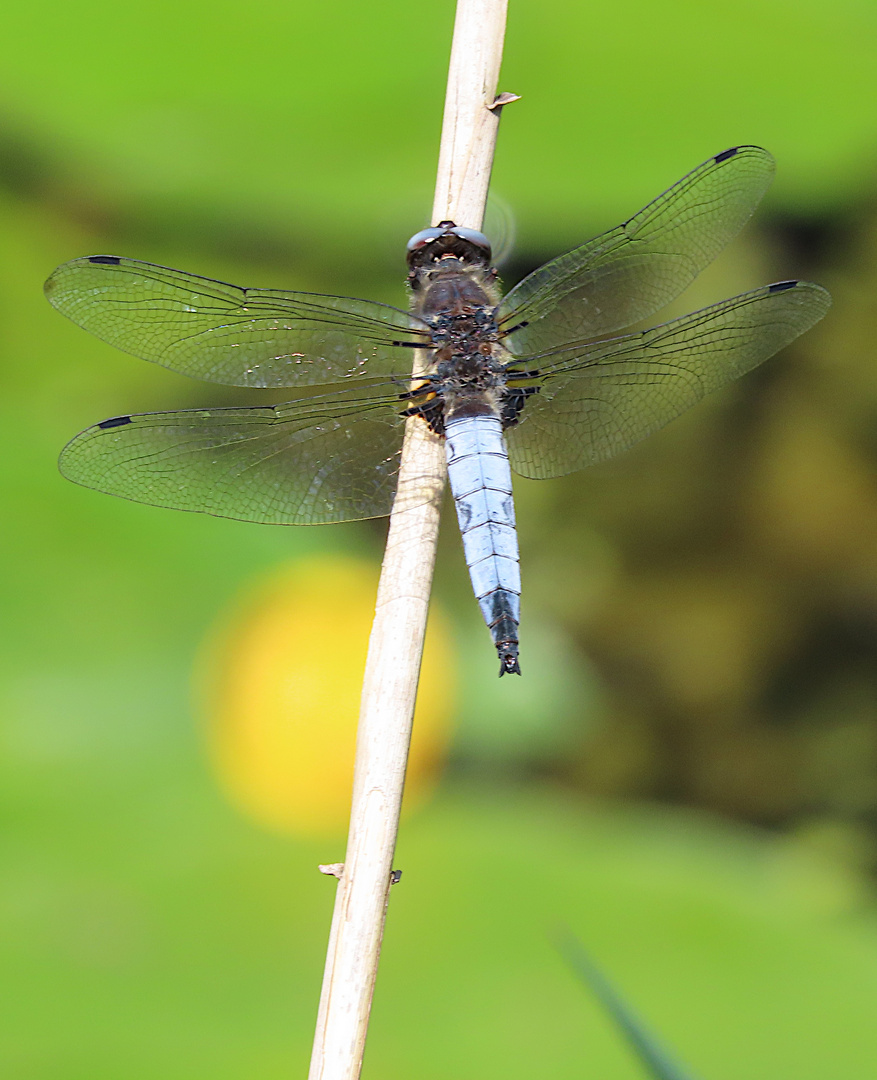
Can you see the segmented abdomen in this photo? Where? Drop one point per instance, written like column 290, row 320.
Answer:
column 478, row 470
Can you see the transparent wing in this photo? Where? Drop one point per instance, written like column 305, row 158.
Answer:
column 224, row 334
column 631, row 272
column 322, row 459
column 597, row 400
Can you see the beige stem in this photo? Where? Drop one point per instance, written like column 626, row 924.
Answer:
column 393, row 665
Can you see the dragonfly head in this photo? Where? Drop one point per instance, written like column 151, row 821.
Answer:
column 447, row 241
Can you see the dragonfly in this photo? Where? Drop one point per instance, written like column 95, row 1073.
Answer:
column 539, row 381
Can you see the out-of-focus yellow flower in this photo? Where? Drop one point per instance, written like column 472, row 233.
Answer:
column 280, row 679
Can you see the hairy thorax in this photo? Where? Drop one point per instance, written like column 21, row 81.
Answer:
column 459, row 303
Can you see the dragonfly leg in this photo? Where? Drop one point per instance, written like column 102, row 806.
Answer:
column 432, row 411
column 514, row 401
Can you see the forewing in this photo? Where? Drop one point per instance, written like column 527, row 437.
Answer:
column 225, row 334
column 322, row 459
column 632, row 271
column 595, row 402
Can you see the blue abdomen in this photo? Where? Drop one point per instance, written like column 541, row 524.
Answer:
column 481, row 482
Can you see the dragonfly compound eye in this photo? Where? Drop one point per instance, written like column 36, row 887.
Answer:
column 423, row 238
column 475, row 238
column 447, row 239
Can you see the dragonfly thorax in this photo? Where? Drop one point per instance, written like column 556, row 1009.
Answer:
column 466, row 340
column 464, row 333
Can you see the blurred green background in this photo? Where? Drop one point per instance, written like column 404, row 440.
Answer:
column 687, row 772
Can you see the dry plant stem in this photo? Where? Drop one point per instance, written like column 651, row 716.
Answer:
column 396, row 644
column 471, row 119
